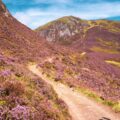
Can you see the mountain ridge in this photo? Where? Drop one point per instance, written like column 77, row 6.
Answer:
column 68, row 29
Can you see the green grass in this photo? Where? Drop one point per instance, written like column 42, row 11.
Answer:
column 100, row 49
column 89, row 93
column 114, row 105
column 44, row 26
column 62, row 20
column 65, row 42
column 116, row 63
column 105, row 42
column 2, row 102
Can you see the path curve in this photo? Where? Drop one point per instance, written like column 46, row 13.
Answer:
column 80, row 107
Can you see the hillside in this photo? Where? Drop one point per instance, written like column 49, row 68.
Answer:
column 81, row 55
column 92, row 65
column 22, row 94
column 74, row 31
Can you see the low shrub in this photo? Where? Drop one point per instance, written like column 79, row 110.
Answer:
column 13, row 88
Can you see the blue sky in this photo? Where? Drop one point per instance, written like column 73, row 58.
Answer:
column 34, row 13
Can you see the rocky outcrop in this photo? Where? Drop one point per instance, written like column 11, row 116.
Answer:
column 62, row 29
column 72, row 30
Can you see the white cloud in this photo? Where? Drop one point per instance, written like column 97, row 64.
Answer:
column 36, row 17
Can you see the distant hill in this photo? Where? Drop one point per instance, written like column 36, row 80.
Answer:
column 74, row 31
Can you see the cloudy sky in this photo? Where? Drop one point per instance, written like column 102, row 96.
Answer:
column 34, row 13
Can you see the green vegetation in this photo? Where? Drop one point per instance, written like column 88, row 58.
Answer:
column 109, row 25
column 89, row 93
column 2, row 102
column 105, row 42
column 114, row 105
column 64, row 20
column 116, row 63
column 102, row 22
column 100, row 49
column 65, row 42
column 20, row 88
column 114, row 30
column 44, row 26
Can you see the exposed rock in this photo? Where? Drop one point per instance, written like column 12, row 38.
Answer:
column 61, row 29
column 72, row 30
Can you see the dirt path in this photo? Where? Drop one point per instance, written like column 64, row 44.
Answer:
column 80, row 107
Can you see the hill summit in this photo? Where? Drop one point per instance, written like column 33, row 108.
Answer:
column 73, row 30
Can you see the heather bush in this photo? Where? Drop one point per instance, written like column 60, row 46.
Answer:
column 24, row 96
column 4, row 113
column 91, row 72
column 17, row 113
column 22, row 113
column 5, row 73
column 14, row 88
